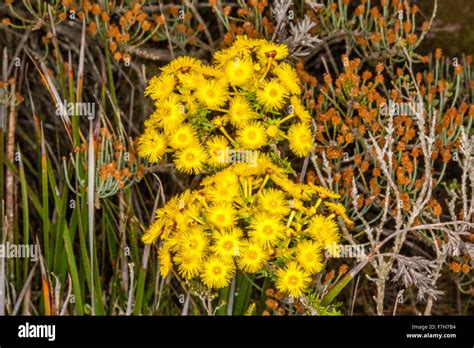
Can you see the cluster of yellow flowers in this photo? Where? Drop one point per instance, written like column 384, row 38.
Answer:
column 202, row 110
column 250, row 217
column 248, row 214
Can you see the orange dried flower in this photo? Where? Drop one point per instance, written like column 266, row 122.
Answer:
column 96, row 10
column 273, row 304
column 455, row 267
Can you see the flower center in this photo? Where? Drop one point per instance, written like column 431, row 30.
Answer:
column 252, row 254
column 292, row 280
column 228, row 245
column 268, row 230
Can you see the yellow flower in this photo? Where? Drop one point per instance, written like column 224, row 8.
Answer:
column 293, row 189
column 266, row 229
column 181, row 64
column 192, row 242
column 152, row 145
column 292, row 280
column 188, row 266
column 183, row 137
column 224, row 189
column 154, row 231
column 252, row 257
column 170, row 113
column 164, row 256
column 209, row 71
column 308, row 255
column 217, row 272
column 212, row 93
column 238, row 71
column 272, row 95
column 160, row 87
column 244, row 45
column 273, row 201
column 190, row 160
column 190, row 81
column 222, row 215
column 324, row 192
column 216, row 148
column 252, row 136
column 271, row 50
column 339, row 209
column 324, row 231
column 288, row 77
column 300, row 139
column 299, row 110
column 227, row 244
column 273, row 131
column 240, row 111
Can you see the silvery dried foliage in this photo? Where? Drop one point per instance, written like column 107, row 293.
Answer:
column 418, row 272
column 296, row 35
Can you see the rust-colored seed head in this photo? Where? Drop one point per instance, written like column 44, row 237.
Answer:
column 271, row 54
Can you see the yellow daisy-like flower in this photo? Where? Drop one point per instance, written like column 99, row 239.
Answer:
column 292, row 280
column 308, row 255
column 266, row 229
column 188, row 266
column 209, row 71
column 160, row 87
column 225, row 189
column 189, row 82
column 300, row 139
column 212, row 93
column 191, row 160
column 272, row 95
column 273, row 201
column 154, row 231
column 288, row 77
column 170, row 113
column 227, row 244
column 324, row 230
column 166, row 263
column 240, row 111
column 192, row 242
column 339, row 209
column 238, row 71
column 252, row 136
column 183, row 137
column 299, row 110
column 270, row 50
column 152, row 145
column 222, row 215
column 324, row 192
column 216, row 148
column 273, row 131
column 252, row 257
column 182, row 64
column 217, row 272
